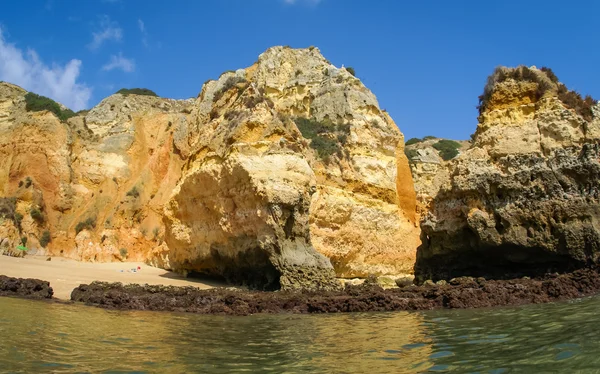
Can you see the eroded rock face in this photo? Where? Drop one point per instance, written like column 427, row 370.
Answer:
column 291, row 152
column 524, row 198
column 92, row 186
column 281, row 175
column 429, row 169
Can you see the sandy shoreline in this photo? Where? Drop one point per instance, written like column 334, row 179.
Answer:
column 65, row 274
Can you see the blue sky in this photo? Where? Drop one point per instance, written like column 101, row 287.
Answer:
column 427, row 61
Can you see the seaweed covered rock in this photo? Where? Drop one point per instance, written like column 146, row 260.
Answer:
column 25, row 288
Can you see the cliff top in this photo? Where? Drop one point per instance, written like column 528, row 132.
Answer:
column 530, row 84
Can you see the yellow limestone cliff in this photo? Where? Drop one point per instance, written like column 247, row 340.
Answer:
column 284, row 174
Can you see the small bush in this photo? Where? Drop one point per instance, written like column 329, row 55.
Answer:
column 410, row 154
column 37, row 215
column 573, row 100
column 123, row 252
column 45, row 239
column 24, row 241
column 429, row 137
column 229, row 83
column 326, row 138
column 133, row 192
column 37, row 103
column 155, row 232
column 351, row 71
column 8, row 206
column 413, row 141
column 17, row 218
column 550, row 74
column 448, row 148
column 137, row 91
column 88, row 224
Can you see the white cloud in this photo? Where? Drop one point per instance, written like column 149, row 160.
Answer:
column 108, row 31
column 142, row 27
column 120, row 62
column 57, row 82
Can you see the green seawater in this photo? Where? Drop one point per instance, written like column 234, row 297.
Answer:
column 47, row 337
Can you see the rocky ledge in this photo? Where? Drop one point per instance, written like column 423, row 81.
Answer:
column 25, row 288
column 464, row 292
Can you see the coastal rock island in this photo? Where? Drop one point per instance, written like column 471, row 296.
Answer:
column 523, row 199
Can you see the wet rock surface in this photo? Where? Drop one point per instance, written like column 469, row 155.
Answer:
column 25, row 288
column 464, row 292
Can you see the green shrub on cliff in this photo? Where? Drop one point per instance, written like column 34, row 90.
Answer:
column 227, row 85
column 37, row 103
column 410, row 154
column 412, row 141
column 137, row 91
column 37, row 215
column 8, row 206
column 88, row 224
column 351, row 71
column 133, row 192
column 326, row 138
column 45, row 239
column 448, row 148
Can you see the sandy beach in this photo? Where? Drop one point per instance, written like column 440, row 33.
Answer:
column 66, row 274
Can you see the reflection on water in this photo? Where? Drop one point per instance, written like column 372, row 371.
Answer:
column 47, row 337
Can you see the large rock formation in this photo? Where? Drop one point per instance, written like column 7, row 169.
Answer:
column 245, row 181
column 524, row 198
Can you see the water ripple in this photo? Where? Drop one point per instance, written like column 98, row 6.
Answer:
column 45, row 337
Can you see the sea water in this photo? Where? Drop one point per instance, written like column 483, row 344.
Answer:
column 38, row 336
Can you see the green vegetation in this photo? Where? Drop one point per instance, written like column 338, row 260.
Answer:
column 137, row 91
column 8, row 205
column 24, row 241
column 351, row 70
column 17, row 218
column 155, row 232
column 37, row 103
column 417, row 140
column 550, row 74
column 573, row 100
column 229, row 83
column 88, row 224
column 45, row 239
column 410, row 154
column 448, row 148
column 37, row 215
column 8, row 210
column 133, row 192
column 326, row 138
column 123, row 252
